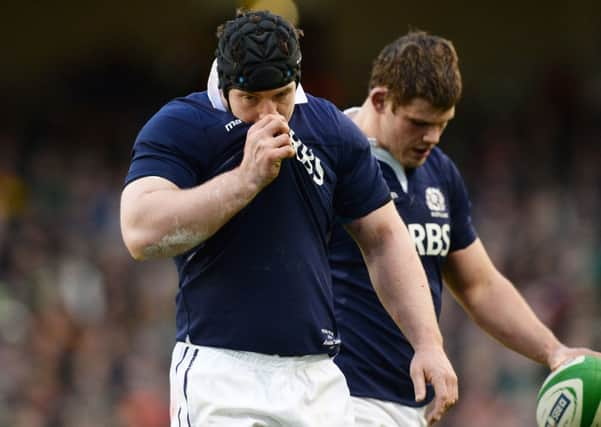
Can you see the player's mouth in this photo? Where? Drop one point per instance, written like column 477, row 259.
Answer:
column 422, row 153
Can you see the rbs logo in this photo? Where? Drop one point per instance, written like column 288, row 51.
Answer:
column 431, row 239
column 309, row 160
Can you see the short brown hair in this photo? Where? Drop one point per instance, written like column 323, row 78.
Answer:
column 419, row 65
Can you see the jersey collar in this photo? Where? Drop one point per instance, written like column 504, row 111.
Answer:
column 383, row 155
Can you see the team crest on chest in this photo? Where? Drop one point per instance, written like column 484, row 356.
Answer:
column 436, row 202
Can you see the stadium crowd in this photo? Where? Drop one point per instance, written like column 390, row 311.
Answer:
column 85, row 332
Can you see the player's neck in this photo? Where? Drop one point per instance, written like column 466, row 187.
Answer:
column 365, row 119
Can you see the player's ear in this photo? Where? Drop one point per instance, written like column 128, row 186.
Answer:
column 225, row 101
column 377, row 97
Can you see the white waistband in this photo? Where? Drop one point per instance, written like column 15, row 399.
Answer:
column 268, row 361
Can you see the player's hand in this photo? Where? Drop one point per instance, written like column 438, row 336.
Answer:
column 564, row 354
column 431, row 366
column 267, row 144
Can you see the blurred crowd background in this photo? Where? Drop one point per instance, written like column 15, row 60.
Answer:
column 86, row 332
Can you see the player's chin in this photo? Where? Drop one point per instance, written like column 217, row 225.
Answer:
column 415, row 162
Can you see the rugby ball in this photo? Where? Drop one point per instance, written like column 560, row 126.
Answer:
column 571, row 395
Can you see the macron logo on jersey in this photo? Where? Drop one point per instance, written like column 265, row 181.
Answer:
column 231, row 125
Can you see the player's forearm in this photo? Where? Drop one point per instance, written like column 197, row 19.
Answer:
column 167, row 222
column 500, row 310
column 401, row 285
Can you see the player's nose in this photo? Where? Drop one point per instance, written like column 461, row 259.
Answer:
column 267, row 107
column 432, row 135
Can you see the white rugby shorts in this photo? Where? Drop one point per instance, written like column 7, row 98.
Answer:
column 220, row 387
column 380, row 413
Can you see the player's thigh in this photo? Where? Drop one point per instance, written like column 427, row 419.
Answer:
column 378, row 413
column 210, row 388
column 224, row 388
column 327, row 400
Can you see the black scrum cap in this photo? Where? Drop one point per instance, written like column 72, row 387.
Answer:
column 257, row 51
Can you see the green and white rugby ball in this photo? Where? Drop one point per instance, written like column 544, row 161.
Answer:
column 571, row 395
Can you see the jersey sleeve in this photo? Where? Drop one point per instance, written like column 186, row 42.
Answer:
column 463, row 232
column 361, row 187
column 164, row 148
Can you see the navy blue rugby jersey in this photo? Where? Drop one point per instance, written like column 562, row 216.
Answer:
column 262, row 283
column 433, row 202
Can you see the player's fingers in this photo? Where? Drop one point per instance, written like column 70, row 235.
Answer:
column 266, row 145
column 277, row 127
column 419, row 385
column 257, row 126
column 267, row 127
column 442, row 400
column 435, row 413
column 453, row 386
column 262, row 122
column 272, row 135
column 270, row 125
column 450, row 380
column 283, row 152
column 568, row 354
column 428, row 414
column 282, row 140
